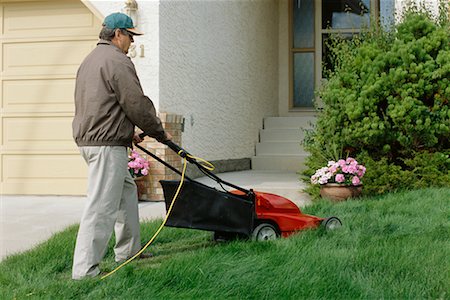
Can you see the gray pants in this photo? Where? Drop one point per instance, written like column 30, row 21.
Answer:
column 112, row 203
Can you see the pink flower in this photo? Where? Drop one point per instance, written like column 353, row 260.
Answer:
column 340, row 172
column 323, row 180
column 333, row 168
column 351, row 161
column 361, row 171
column 352, row 169
column 340, row 178
column 134, row 154
column 331, row 162
column 138, row 166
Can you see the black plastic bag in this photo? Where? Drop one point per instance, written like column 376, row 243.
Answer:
column 201, row 207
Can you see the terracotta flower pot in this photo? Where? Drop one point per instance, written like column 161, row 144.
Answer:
column 141, row 187
column 340, row 192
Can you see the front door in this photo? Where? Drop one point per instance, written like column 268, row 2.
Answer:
column 311, row 24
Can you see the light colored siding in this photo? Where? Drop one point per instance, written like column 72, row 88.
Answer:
column 42, row 44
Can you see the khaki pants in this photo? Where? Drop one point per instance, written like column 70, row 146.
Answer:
column 112, row 203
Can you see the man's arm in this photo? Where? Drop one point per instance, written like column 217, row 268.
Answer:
column 137, row 107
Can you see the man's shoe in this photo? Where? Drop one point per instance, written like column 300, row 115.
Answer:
column 145, row 255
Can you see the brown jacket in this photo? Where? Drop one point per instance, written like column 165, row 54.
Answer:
column 109, row 101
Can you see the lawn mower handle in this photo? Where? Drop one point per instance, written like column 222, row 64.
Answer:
column 178, row 150
column 184, row 154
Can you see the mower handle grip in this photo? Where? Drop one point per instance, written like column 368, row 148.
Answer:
column 177, row 149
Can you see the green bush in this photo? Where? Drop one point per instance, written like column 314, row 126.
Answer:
column 386, row 103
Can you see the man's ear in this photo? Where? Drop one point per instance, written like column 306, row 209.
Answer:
column 117, row 33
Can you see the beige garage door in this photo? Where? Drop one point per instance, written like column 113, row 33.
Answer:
column 41, row 46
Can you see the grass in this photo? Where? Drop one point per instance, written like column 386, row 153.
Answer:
column 395, row 246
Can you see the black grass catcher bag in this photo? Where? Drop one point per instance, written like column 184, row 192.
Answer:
column 201, row 207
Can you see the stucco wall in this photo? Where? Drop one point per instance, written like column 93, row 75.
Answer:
column 147, row 67
column 218, row 68
column 430, row 5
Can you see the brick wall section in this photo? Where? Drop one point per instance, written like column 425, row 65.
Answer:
column 151, row 189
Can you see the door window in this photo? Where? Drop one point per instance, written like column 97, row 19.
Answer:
column 303, row 53
column 312, row 22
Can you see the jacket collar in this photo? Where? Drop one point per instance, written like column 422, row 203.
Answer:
column 105, row 42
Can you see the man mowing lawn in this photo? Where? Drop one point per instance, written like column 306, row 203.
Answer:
column 109, row 103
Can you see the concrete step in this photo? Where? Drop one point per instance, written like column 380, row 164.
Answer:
column 289, row 122
column 292, row 163
column 279, row 148
column 281, row 134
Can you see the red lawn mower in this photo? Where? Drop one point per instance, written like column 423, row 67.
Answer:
column 239, row 213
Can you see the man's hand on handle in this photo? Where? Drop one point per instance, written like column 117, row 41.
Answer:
column 168, row 136
column 139, row 137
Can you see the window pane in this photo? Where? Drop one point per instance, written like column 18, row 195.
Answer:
column 387, row 9
column 303, row 79
column 345, row 14
column 303, row 27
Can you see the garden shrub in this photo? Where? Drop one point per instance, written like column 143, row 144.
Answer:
column 386, row 103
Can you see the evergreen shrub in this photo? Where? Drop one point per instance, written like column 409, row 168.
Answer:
column 386, row 103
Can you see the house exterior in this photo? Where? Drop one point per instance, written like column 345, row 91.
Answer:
column 215, row 69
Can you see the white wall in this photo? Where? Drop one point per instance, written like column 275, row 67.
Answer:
column 147, row 67
column 431, row 5
column 219, row 69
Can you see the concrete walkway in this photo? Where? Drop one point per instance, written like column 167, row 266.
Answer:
column 29, row 220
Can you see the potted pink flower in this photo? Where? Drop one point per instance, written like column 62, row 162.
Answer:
column 137, row 165
column 138, row 168
column 340, row 180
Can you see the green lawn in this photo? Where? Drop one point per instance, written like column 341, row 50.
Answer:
column 395, row 247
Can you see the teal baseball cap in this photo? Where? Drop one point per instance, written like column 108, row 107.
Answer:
column 122, row 21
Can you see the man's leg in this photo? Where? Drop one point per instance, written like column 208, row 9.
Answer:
column 128, row 236
column 105, row 187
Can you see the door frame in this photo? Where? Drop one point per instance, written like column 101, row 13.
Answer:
column 318, row 31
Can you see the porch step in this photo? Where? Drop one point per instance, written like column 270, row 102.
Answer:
column 280, row 144
column 289, row 122
column 282, row 134
column 279, row 148
column 291, row 163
